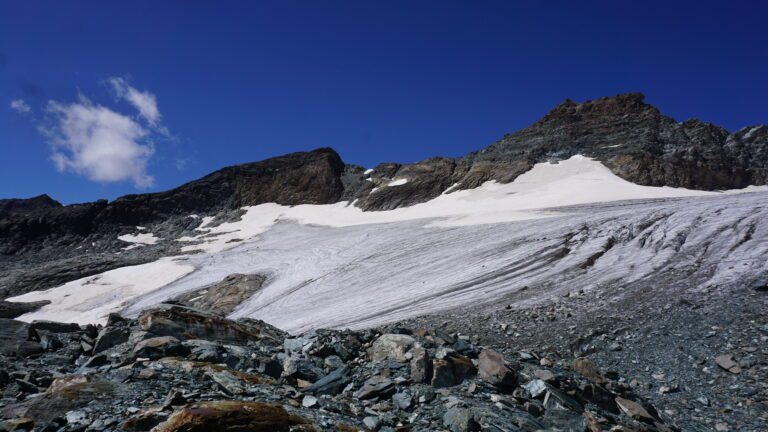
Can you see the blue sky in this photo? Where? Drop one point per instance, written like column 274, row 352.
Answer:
column 234, row 82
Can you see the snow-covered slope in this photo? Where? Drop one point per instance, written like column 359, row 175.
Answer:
column 559, row 227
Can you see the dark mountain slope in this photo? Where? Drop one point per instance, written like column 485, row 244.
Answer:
column 632, row 138
column 16, row 206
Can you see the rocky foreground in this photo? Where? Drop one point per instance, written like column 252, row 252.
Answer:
column 177, row 368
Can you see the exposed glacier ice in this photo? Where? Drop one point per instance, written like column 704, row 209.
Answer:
column 559, row 227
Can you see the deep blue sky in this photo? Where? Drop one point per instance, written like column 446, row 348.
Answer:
column 376, row 80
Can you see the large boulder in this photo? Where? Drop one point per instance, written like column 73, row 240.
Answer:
column 451, row 371
column 391, row 347
column 230, row 415
column 187, row 323
column 159, row 347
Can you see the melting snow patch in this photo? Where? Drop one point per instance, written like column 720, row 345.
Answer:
column 398, row 182
column 139, row 239
column 91, row 299
column 368, row 171
column 206, row 221
column 752, row 132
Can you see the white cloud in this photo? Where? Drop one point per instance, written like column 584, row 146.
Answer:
column 145, row 102
column 99, row 143
column 20, row 106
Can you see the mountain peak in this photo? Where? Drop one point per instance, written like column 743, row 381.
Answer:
column 621, row 104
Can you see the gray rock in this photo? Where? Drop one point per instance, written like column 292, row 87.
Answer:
column 536, row 387
column 376, row 386
column 421, row 366
column 109, row 337
column 391, row 347
column 333, row 383
column 298, row 366
column 460, row 420
column 402, row 400
column 55, row 327
column 372, row 423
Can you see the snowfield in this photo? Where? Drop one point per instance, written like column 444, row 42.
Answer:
column 560, row 227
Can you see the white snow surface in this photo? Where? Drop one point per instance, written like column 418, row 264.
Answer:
column 398, row 182
column 337, row 266
column 140, row 238
column 91, row 299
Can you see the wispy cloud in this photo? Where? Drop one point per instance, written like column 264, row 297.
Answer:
column 20, row 106
column 145, row 102
column 99, row 143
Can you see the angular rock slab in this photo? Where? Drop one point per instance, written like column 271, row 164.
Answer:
column 492, row 369
column 187, row 323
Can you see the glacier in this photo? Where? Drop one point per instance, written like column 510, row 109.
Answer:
column 560, row 228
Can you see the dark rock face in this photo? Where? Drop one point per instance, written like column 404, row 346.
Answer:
column 298, row 178
column 49, row 247
column 630, row 137
column 13, row 310
column 16, row 206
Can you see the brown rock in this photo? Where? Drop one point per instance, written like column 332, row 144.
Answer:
column 229, row 415
column 544, row 375
column 451, row 371
column 726, row 362
column 64, row 394
column 634, row 410
column 145, row 419
column 17, row 424
column 589, row 370
column 493, row 369
column 187, row 323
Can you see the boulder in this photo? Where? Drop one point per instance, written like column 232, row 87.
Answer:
column 109, row 337
column 298, row 366
column 460, row 420
column 421, row 367
column 17, row 330
column 492, row 369
column 376, row 386
column 451, row 371
column 63, row 395
column 55, row 326
column 391, row 347
column 16, row 309
column 159, row 347
column 230, row 415
column 19, row 348
column 331, row 384
column 187, row 323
